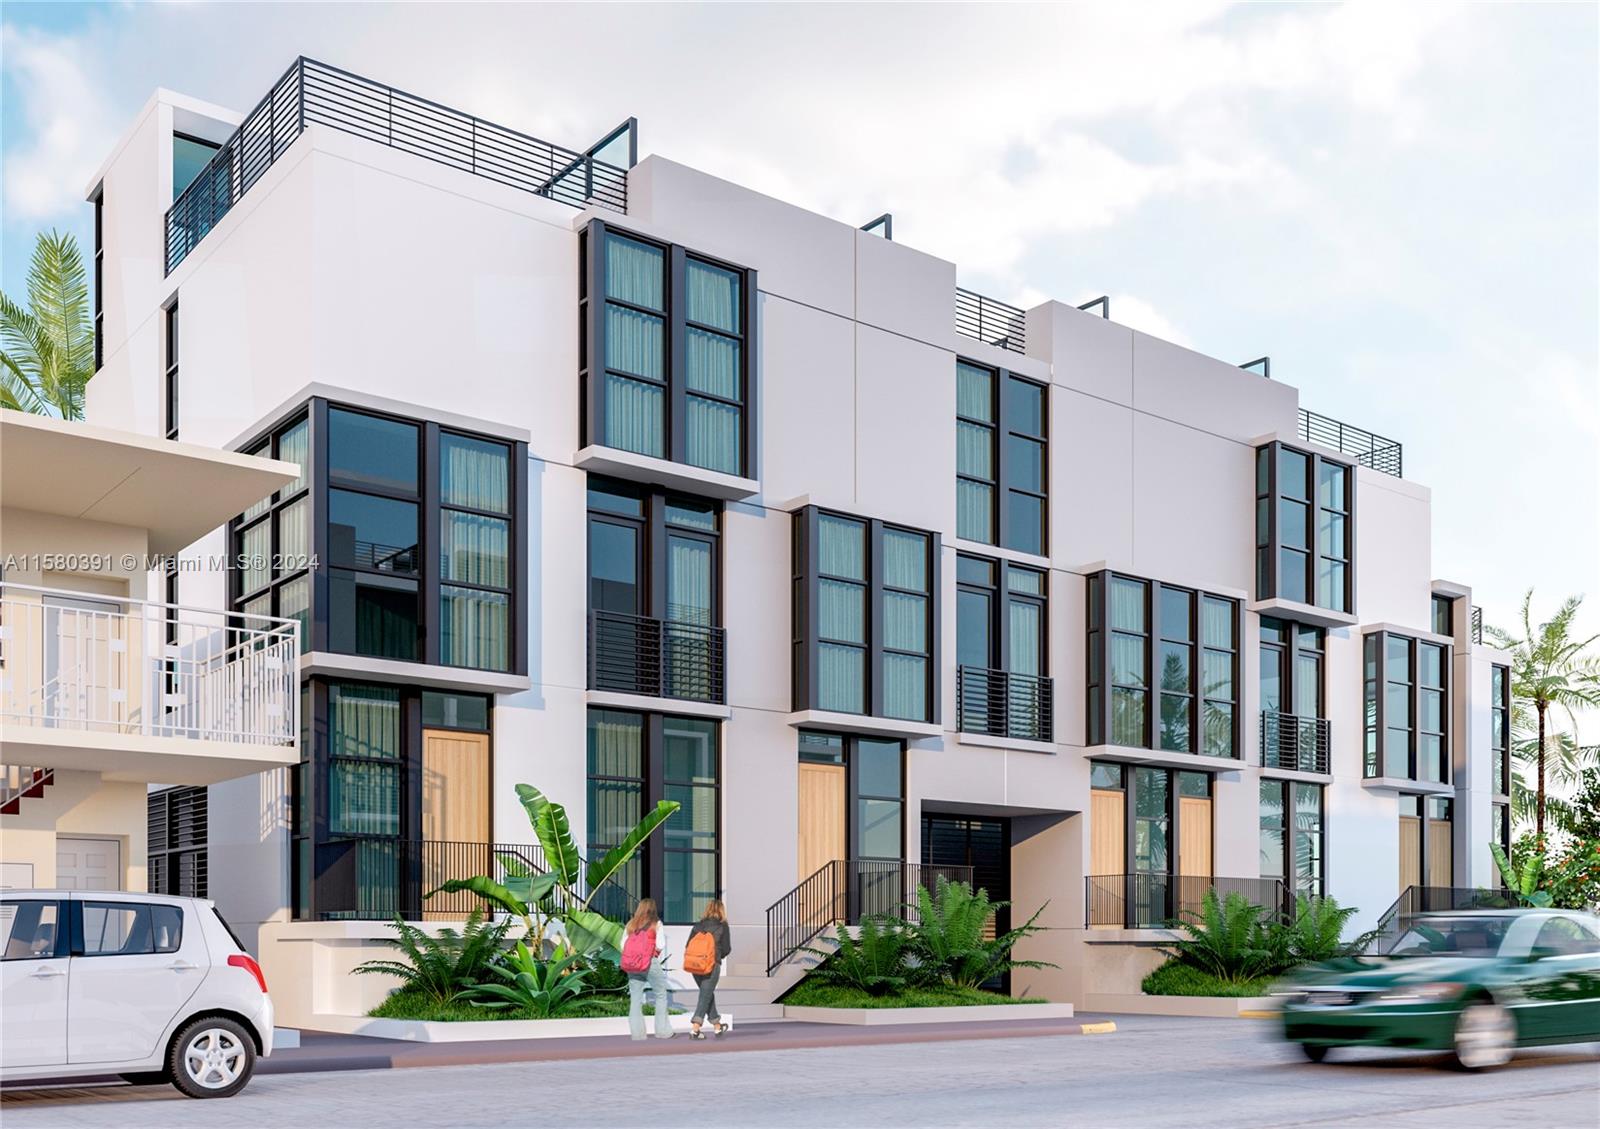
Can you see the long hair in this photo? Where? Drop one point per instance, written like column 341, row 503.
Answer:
column 715, row 908
column 645, row 917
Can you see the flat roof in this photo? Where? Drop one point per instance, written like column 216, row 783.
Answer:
column 179, row 492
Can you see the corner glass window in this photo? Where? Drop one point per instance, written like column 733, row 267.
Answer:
column 366, row 450
column 1304, row 524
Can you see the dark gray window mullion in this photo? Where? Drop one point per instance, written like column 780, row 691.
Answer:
column 750, row 416
column 317, row 501
column 1274, row 545
column 933, row 606
column 1152, row 651
column 675, row 444
column 1350, row 540
column 654, row 790
column 594, row 327
column 874, row 665
column 430, row 539
column 1002, row 478
column 1413, row 733
column 518, row 563
column 1130, row 835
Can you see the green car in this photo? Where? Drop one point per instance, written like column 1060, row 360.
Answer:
column 1479, row 983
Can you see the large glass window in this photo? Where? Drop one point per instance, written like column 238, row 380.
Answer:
column 1190, row 640
column 1002, row 469
column 880, row 788
column 475, row 552
column 1304, row 528
column 865, row 617
column 1000, row 649
column 271, row 540
column 654, row 593
column 1407, row 697
column 364, row 760
column 667, row 352
column 636, row 760
column 1294, row 732
column 1500, row 727
column 1292, row 835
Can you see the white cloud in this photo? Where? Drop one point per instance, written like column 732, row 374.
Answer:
column 70, row 126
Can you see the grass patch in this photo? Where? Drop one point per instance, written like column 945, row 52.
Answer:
column 412, row 1005
column 1174, row 979
column 809, row 993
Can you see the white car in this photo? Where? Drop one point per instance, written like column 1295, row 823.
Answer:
column 149, row 987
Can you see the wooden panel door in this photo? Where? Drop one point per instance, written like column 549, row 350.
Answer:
column 1441, row 868
column 822, row 801
column 1194, row 852
column 455, row 810
column 1107, row 850
column 1410, row 852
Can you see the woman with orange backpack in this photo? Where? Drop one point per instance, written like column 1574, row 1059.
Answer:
column 644, row 955
column 708, row 947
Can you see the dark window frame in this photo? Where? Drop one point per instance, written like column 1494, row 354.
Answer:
column 1100, row 684
column 1425, row 802
column 169, row 409
column 654, row 528
column 267, row 514
column 1269, row 547
column 1376, row 680
column 1289, row 807
column 1286, row 655
column 1128, row 784
column 1001, row 595
column 850, row 758
column 593, row 367
column 99, row 200
column 1443, row 610
column 1003, row 428
column 805, row 622
column 1500, row 706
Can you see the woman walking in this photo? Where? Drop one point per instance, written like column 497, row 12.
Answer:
column 644, row 955
column 708, row 946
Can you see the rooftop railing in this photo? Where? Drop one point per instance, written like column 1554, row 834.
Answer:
column 313, row 93
column 1367, row 448
column 77, row 661
column 990, row 321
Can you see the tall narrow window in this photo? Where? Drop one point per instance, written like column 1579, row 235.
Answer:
column 865, row 618
column 1443, row 615
column 1294, row 732
column 1292, row 837
column 1407, row 693
column 475, row 552
column 616, row 803
column 1176, row 643
column 99, row 278
column 1305, row 522
column 880, row 806
column 1001, row 686
column 170, row 384
column 271, row 540
column 1001, row 465
column 666, row 356
column 1500, row 727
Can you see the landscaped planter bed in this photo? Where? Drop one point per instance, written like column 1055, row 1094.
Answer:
column 468, row 1031
column 976, row 1013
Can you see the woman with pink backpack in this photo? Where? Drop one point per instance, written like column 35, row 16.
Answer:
column 644, row 956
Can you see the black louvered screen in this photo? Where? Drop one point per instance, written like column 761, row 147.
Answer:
column 177, row 843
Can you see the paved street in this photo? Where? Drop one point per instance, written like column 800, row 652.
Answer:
column 1152, row 1072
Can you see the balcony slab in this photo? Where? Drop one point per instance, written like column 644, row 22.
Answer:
column 1303, row 613
column 663, row 472
column 1127, row 754
column 1019, row 744
column 1401, row 784
column 1295, row 774
column 427, row 675
column 683, row 707
column 867, row 726
column 141, row 758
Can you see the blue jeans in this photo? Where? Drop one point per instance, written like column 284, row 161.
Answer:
column 656, row 980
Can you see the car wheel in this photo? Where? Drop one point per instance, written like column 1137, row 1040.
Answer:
column 1316, row 1052
column 1486, row 1034
column 212, row 1057
column 147, row 1078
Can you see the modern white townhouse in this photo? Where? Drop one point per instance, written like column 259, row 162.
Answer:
column 634, row 484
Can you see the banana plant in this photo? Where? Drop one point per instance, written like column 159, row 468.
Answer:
column 564, row 889
column 1523, row 877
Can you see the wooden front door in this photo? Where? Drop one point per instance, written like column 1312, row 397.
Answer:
column 822, row 803
column 1194, row 852
column 1108, row 848
column 1410, row 852
column 455, row 810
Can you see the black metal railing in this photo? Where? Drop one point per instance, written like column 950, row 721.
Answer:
column 845, row 891
column 1002, row 704
column 1417, row 900
column 1152, row 901
column 1477, row 624
column 1367, row 448
column 313, row 93
column 380, row 879
column 637, row 654
column 1294, row 742
column 988, row 320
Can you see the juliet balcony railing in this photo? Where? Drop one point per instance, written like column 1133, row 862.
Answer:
column 71, row 660
column 313, row 93
column 1153, row 901
column 659, row 658
column 999, row 703
column 1293, row 742
column 381, row 879
column 1366, row 447
column 991, row 321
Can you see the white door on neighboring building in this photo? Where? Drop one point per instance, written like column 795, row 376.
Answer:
column 16, row 875
column 88, row 864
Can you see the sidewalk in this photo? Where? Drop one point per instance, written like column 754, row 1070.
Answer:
column 323, row 1052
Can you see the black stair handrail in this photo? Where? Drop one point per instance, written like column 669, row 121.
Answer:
column 1414, row 901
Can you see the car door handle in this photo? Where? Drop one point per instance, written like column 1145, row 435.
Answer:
column 182, row 966
column 46, row 973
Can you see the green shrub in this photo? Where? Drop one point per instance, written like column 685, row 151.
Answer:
column 1177, row 979
column 1229, row 940
column 875, row 960
column 441, row 967
column 539, row 987
column 1318, row 932
column 810, row 993
column 947, row 941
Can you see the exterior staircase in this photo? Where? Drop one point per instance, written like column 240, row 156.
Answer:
column 21, row 782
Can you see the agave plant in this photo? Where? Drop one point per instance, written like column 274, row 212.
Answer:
column 1228, row 939
column 528, row 983
column 948, row 938
column 565, row 889
column 441, row 966
column 1523, row 877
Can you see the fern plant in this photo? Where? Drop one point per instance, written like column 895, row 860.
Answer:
column 1318, row 931
column 875, row 960
column 948, row 939
column 542, row 988
column 1229, row 940
column 441, row 967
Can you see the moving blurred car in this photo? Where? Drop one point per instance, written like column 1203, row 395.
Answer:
column 152, row 988
column 1478, row 983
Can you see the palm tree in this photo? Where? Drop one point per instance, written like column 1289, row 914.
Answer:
column 1550, row 670
column 48, row 353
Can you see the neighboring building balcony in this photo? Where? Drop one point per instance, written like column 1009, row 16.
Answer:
column 999, row 703
column 657, row 658
column 143, row 691
column 1154, row 901
column 1299, row 744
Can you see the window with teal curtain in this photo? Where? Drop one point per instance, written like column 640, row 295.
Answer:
column 841, row 595
column 713, row 368
column 364, row 759
column 689, row 610
column 1026, row 637
column 1129, row 669
column 294, row 446
column 474, row 553
column 905, row 625
column 473, row 473
column 975, row 453
column 689, row 846
column 1218, row 657
column 616, row 803
column 635, row 344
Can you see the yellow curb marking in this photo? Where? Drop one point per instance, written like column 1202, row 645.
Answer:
column 1098, row 1028
column 1258, row 1015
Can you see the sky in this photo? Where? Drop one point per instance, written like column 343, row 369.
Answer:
column 1397, row 203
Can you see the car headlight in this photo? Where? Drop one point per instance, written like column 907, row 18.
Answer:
column 1423, row 993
